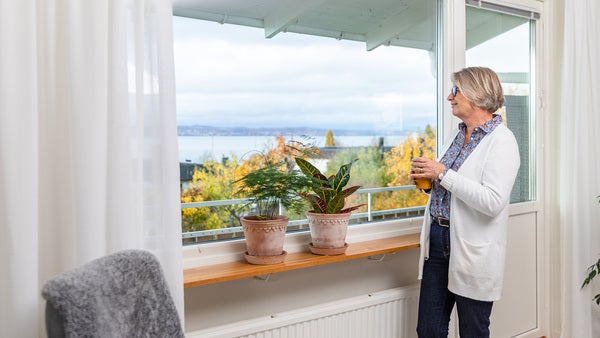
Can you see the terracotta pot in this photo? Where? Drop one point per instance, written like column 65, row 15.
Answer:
column 328, row 230
column 264, row 238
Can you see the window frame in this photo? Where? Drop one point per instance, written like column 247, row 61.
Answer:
column 450, row 56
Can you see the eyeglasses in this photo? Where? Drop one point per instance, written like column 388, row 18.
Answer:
column 454, row 90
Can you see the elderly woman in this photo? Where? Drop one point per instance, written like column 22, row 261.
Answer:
column 463, row 240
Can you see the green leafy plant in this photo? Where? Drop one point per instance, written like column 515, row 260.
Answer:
column 277, row 183
column 328, row 193
column 593, row 271
column 269, row 187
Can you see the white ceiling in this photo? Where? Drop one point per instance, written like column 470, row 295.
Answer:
column 407, row 23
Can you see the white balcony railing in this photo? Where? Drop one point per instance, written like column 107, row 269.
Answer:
column 361, row 217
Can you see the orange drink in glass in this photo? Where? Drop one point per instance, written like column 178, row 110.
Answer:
column 423, row 183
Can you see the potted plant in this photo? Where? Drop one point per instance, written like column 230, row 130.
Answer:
column 329, row 217
column 269, row 190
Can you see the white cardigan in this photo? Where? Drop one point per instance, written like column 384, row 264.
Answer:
column 478, row 216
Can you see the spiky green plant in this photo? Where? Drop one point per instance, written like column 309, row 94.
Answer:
column 269, row 187
column 328, row 193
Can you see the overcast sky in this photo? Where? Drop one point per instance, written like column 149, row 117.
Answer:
column 297, row 80
column 230, row 75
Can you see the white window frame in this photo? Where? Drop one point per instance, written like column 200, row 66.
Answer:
column 452, row 55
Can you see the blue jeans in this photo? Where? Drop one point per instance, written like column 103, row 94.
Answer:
column 436, row 301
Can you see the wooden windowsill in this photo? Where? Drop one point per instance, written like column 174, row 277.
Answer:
column 236, row 270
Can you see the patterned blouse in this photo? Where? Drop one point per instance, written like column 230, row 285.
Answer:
column 454, row 157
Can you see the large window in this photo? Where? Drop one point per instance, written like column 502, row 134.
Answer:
column 240, row 96
column 506, row 43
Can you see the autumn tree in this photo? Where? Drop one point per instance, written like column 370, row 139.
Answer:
column 398, row 162
column 374, row 168
column 210, row 182
column 214, row 181
column 282, row 154
column 329, row 140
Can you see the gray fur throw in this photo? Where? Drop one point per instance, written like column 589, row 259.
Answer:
column 120, row 295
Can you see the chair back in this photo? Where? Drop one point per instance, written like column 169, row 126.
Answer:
column 119, row 295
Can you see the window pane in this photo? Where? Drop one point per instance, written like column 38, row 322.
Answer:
column 240, row 95
column 505, row 44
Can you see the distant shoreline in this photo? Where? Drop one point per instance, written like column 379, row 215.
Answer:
column 200, row 130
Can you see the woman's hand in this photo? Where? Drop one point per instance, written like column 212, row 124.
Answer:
column 422, row 167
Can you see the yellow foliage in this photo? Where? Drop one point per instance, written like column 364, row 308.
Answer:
column 214, row 180
column 329, row 140
column 398, row 162
column 210, row 182
column 282, row 154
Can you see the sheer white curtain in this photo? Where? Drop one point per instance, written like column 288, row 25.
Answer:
column 580, row 165
column 88, row 144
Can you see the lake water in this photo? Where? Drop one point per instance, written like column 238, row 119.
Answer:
column 198, row 148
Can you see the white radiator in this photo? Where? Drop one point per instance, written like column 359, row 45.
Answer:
column 385, row 314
